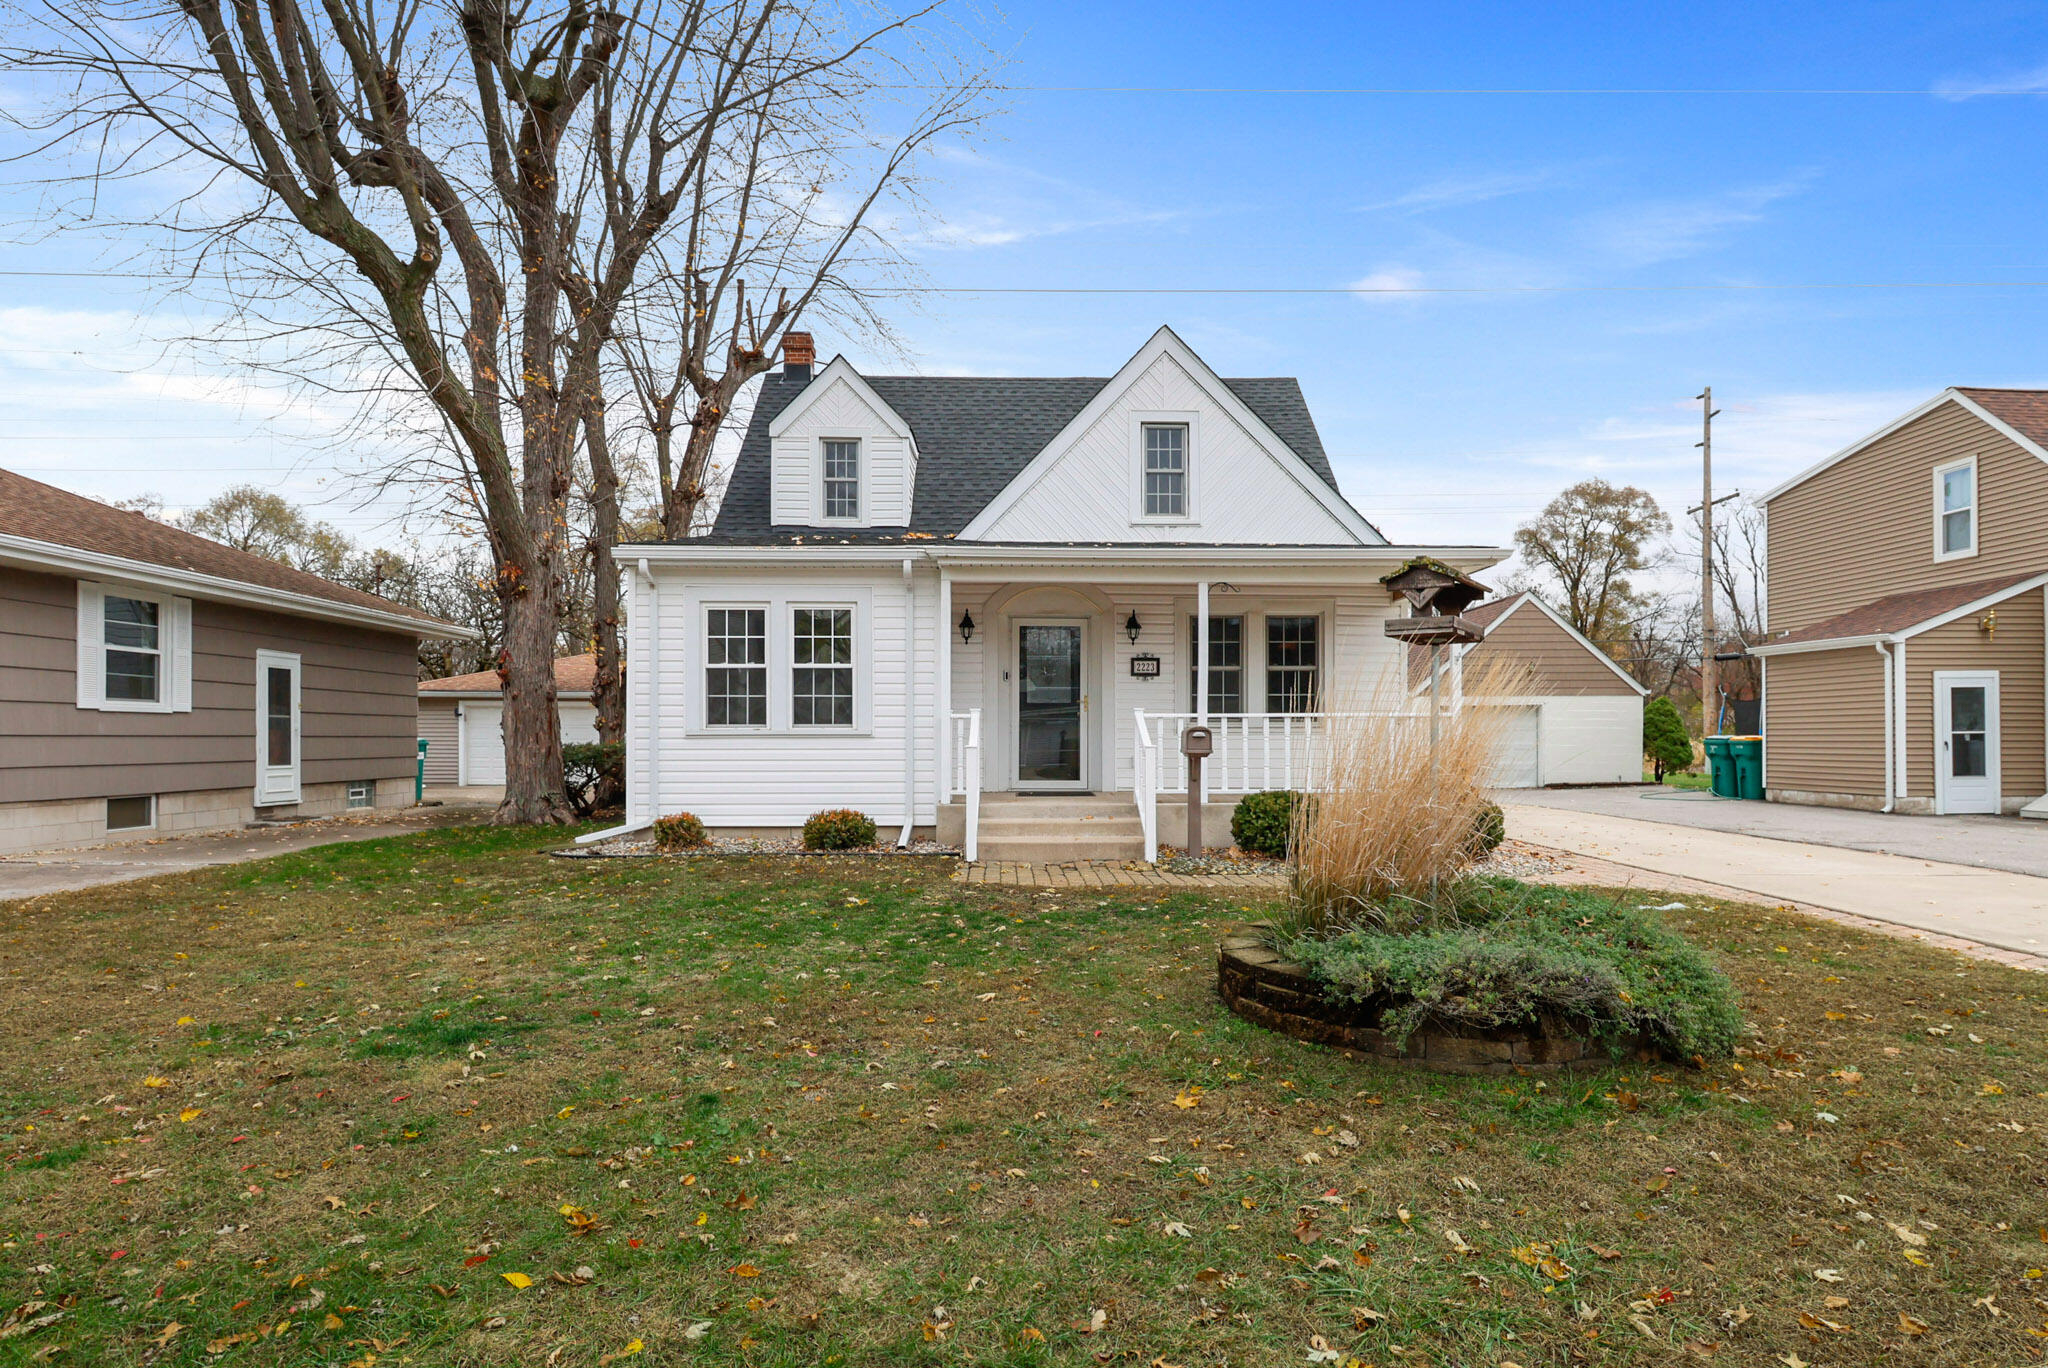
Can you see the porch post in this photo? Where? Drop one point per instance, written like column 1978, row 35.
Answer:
column 944, row 787
column 1201, row 678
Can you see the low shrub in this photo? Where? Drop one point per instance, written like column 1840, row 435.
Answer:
column 1529, row 957
column 839, row 829
column 1489, row 829
column 589, row 768
column 678, row 831
column 1263, row 823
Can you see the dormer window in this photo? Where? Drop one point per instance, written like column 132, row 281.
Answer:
column 1166, row 470
column 1955, row 510
column 842, row 478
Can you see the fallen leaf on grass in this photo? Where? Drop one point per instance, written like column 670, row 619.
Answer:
column 333, row 1322
column 744, row 1270
column 1906, row 1233
column 518, row 1280
column 1911, row 1325
column 1188, row 1097
column 1093, row 1325
column 1365, row 1318
column 633, row 1346
column 191, row 1114
column 1319, row 1351
column 1827, row 1275
column 1177, row 1229
column 696, row 1330
column 166, row 1335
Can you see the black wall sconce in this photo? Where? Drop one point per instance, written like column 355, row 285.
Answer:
column 1132, row 627
column 966, row 626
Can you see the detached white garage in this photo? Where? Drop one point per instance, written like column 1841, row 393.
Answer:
column 462, row 720
column 1583, row 724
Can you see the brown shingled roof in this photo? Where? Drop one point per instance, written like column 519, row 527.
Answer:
column 573, row 674
column 30, row 508
column 2023, row 410
column 1899, row 611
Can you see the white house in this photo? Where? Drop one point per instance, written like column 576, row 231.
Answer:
column 973, row 604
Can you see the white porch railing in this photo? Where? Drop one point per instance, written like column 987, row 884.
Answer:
column 965, row 780
column 1145, row 784
column 1251, row 751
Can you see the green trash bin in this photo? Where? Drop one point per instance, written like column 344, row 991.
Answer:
column 1747, row 755
column 419, row 774
column 1720, row 765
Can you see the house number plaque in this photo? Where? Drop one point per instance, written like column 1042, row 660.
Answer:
column 1144, row 667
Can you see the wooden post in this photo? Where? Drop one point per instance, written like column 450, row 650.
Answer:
column 1195, row 806
column 1709, row 681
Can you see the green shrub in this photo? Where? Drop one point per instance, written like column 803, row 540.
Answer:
column 1263, row 823
column 588, row 769
column 678, row 831
column 1529, row 955
column 1665, row 743
column 1489, row 829
column 839, row 829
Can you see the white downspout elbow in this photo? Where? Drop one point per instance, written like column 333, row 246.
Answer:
column 1884, row 652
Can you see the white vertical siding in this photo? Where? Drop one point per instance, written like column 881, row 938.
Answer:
column 1242, row 493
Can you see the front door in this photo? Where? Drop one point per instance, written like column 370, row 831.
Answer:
column 1052, row 705
column 277, row 728
column 1966, row 741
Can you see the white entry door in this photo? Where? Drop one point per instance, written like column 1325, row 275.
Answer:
column 277, row 728
column 1966, row 741
column 1052, row 705
column 483, row 743
column 1518, row 761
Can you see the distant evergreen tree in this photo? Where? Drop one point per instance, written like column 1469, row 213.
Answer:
column 1665, row 742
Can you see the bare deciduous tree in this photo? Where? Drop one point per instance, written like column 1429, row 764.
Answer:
column 1584, row 546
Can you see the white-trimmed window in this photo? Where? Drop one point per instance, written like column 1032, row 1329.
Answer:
column 842, row 478
column 137, row 813
column 1165, row 470
column 134, row 649
column 821, row 667
column 1955, row 509
column 1293, row 662
column 736, row 667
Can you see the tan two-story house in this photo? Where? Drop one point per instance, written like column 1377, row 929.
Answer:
column 1906, row 585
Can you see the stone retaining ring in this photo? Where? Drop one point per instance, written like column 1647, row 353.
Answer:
column 1259, row 985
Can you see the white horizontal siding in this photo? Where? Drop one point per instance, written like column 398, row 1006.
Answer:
column 1242, row 494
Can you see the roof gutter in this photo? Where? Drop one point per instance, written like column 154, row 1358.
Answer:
column 34, row 554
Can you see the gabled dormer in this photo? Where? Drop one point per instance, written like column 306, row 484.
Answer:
column 839, row 455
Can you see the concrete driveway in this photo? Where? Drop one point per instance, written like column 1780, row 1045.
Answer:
column 1971, row 902
column 2017, row 844
column 60, row 871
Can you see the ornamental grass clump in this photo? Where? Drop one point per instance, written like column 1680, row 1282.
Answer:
column 1555, row 961
column 1395, row 818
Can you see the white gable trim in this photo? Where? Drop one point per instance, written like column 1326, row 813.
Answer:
column 1165, row 343
column 1605, row 659
column 841, row 369
column 1947, row 396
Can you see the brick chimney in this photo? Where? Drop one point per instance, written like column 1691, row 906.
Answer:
column 798, row 353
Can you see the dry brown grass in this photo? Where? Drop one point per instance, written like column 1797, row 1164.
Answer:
column 1392, row 822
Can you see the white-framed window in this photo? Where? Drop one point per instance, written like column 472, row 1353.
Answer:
column 821, row 667
column 134, row 649
column 841, row 490
column 135, row 813
column 736, row 667
column 1293, row 662
column 1226, row 664
column 1267, row 657
column 1166, row 470
column 1955, row 509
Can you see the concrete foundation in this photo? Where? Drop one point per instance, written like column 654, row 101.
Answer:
column 73, row 822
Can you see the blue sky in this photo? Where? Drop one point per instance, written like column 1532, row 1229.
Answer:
column 1450, row 416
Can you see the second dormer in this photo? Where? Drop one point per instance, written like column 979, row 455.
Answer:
column 840, row 456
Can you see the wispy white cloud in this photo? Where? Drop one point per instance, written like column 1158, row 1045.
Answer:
column 1462, row 188
column 2034, row 82
column 1653, row 231
column 995, row 203
column 1389, row 282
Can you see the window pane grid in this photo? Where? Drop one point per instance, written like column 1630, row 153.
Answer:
column 1226, row 664
column 821, row 678
column 132, row 633
column 736, row 667
column 1166, row 470
column 1292, row 663
column 842, row 479
column 1958, row 509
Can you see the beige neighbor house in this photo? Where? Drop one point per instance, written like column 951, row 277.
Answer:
column 152, row 681
column 1905, row 668
column 1580, row 720
column 462, row 720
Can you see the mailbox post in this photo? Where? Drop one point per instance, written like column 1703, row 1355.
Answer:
column 1195, row 744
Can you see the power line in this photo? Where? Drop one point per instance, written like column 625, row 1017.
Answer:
column 1917, row 93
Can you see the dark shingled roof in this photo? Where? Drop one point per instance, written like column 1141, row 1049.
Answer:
column 974, row 434
column 1897, row 612
column 30, row 508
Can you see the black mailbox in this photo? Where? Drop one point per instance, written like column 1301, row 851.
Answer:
column 1196, row 742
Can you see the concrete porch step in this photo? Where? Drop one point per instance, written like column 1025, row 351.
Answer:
column 1056, row 828
column 1095, row 828
column 1061, row 850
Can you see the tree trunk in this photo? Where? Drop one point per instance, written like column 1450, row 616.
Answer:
column 609, row 690
column 533, row 734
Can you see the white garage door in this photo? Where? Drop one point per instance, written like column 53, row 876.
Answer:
column 483, row 743
column 579, row 722
column 1519, row 762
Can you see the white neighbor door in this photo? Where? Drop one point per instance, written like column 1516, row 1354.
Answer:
column 1966, row 741
column 277, row 728
column 483, row 743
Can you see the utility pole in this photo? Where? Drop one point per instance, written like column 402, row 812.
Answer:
column 1710, row 697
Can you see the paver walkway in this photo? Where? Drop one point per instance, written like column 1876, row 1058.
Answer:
column 1109, row 874
column 1988, row 906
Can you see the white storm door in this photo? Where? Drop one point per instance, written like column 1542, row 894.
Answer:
column 1966, row 741
column 1052, row 704
column 277, row 728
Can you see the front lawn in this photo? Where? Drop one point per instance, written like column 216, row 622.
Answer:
column 444, row 1100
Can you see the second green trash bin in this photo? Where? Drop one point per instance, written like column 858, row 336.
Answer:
column 1747, row 753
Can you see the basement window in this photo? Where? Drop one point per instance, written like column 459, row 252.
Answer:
column 361, row 793
column 131, row 814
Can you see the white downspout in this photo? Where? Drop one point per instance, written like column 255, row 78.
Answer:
column 652, row 742
column 909, row 705
column 942, row 790
column 1201, row 680
column 1901, row 788
column 1890, row 774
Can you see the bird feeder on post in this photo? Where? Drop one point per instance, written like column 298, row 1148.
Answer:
column 1436, row 595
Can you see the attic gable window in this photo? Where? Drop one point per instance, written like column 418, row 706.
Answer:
column 1955, row 510
column 842, row 478
column 1166, row 470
